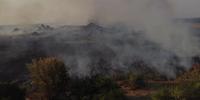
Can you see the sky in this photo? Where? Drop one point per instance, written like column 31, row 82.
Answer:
column 187, row 8
column 28, row 11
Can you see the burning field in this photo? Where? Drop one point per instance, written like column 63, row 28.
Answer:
column 84, row 47
column 138, row 65
column 139, row 52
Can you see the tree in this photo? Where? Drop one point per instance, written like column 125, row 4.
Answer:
column 49, row 77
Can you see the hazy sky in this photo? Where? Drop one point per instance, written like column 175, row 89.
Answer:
column 187, row 8
column 26, row 11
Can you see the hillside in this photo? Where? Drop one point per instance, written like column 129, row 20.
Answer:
column 24, row 43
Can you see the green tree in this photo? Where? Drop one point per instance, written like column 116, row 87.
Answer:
column 49, row 77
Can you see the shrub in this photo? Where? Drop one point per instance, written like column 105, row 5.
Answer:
column 177, row 93
column 49, row 77
column 114, row 94
column 188, row 87
column 96, row 87
column 162, row 94
column 183, row 91
column 191, row 75
column 135, row 81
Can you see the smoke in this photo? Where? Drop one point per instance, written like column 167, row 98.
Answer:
column 45, row 11
column 156, row 19
column 133, row 30
column 73, row 11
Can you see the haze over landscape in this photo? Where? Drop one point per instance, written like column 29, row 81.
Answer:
column 159, row 36
column 78, row 11
column 100, row 49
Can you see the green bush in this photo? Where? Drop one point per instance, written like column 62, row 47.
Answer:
column 177, row 93
column 183, row 91
column 162, row 94
column 135, row 81
column 188, row 87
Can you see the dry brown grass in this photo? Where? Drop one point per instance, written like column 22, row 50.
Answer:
column 192, row 75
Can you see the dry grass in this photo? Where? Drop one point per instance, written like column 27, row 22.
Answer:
column 192, row 75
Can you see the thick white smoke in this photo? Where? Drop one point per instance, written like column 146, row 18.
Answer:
column 153, row 19
column 156, row 19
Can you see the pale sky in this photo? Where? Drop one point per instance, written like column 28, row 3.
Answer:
column 27, row 11
column 187, row 8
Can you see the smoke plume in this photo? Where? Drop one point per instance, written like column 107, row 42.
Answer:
column 131, row 30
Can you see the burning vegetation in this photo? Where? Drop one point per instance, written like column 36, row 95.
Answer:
column 100, row 53
column 87, row 68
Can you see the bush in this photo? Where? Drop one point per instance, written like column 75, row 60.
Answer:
column 192, row 75
column 162, row 94
column 188, row 87
column 135, row 81
column 177, row 93
column 49, row 77
column 96, row 87
column 109, row 95
column 183, row 91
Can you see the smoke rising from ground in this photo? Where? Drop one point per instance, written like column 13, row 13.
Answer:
column 137, row 30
